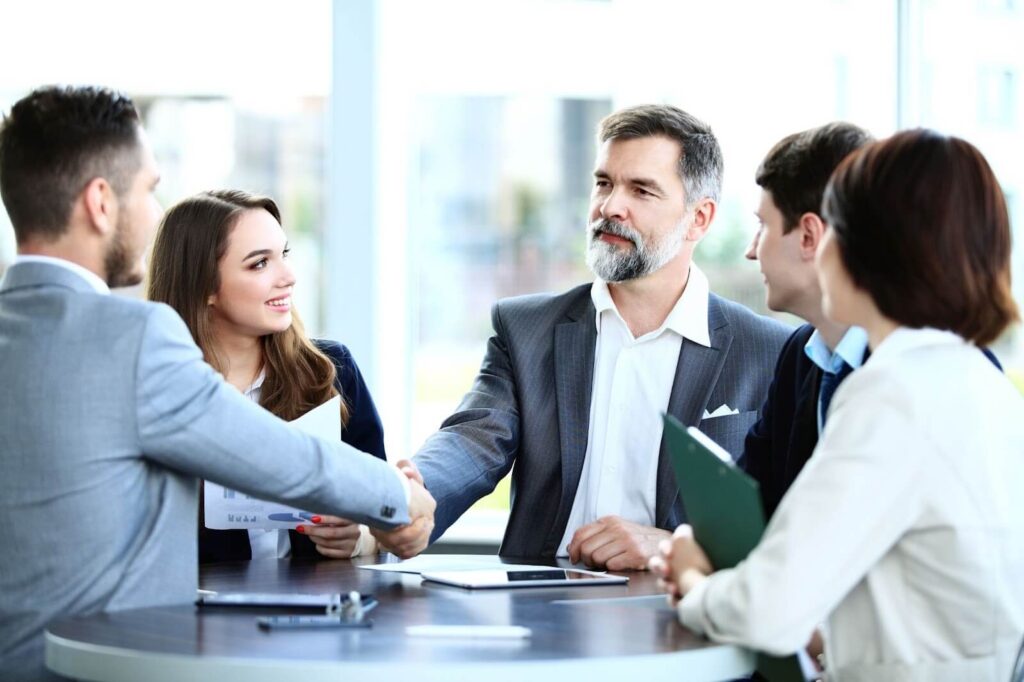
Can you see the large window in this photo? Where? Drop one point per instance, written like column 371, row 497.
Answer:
column 431, row 158
column 963, row 66
column 496, row 146
column 273, row 147
column 502, row 185
column 486, row 142
column 233, row 95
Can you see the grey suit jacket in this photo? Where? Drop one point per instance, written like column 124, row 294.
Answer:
column 108, row 417
column 530, row 406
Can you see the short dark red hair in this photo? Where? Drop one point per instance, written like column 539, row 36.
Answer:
column 922, row 226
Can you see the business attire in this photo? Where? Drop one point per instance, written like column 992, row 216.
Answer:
column 108, row 418
column 782, row 439
column 905, row 529
column 555, row 377
column 806, row 375
column 364, row 432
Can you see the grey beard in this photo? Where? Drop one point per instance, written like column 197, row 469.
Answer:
column 616, row 264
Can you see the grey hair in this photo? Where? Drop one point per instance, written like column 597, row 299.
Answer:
column 700, row 164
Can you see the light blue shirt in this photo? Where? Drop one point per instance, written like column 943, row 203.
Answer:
column 850, row 350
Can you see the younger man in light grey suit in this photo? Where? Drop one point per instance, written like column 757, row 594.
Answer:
column 572, row 386
column 108, row 414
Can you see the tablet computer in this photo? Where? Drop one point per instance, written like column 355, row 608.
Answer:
column 547, row 577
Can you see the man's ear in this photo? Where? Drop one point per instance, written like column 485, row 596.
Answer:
column 101, row 206
column 703, row 214
column 812, row 230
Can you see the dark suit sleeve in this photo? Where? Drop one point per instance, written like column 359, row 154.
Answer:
column 766, row 449
column 476, row 446
column 756, row 459
column 364, row 430
column 757, row 446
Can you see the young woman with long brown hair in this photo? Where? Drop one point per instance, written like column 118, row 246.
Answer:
column 220, row 259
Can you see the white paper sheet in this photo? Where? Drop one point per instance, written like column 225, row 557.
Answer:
column 226, row 508
column 432, row 563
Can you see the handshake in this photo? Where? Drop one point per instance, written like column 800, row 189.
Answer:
column 408, row 541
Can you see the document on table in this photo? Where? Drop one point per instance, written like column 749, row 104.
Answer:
column 225, row 508
column 432, row 563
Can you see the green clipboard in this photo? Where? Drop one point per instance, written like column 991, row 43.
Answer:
column 723, row 505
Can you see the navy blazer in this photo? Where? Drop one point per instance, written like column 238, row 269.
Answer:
column 784, row 437
column 781, row 441
column 363, row 432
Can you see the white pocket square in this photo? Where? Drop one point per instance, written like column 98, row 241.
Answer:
column 723, row 411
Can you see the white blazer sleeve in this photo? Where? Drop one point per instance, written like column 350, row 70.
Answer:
column 851, row 503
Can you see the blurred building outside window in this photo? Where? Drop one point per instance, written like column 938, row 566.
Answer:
column 478, row 160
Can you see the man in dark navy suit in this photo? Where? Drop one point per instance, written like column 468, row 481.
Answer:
column 820, row 354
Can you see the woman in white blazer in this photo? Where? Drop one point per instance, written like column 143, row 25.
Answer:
column 904, row 533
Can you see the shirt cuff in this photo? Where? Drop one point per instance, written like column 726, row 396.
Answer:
column 366, row 544
column 406, row 486
column 691, row 608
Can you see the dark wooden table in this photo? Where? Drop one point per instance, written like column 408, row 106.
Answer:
column 600, row 632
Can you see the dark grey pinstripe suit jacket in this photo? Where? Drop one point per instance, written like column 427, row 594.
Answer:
column 530, row 406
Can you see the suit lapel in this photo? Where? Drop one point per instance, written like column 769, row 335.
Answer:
column 575, row 342
column 697, row 372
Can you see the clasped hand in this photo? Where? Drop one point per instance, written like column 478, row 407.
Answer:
column 334, row 537
column 681, row 564
column 615, row 544
column 408, row 541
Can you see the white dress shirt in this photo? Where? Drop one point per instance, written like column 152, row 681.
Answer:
column 633, row 379
column 905, row 529
column 266, row 543
column 89, row 276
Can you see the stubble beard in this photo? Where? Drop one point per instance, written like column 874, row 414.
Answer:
column 118, row 262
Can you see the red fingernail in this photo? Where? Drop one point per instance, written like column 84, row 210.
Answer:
column 316, row 519
column 300, row 529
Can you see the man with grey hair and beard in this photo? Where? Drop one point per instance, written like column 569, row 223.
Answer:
column 573, row 385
